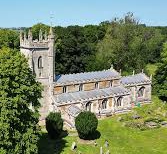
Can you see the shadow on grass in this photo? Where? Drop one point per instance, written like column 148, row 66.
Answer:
column 94, row 136
column 51, row 146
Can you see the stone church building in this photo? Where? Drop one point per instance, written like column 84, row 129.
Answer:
column 103, row 92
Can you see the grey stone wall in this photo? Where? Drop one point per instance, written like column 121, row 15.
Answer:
column 44, row 48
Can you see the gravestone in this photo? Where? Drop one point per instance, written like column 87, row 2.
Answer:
column 164, row 123
column 151, row 124
column 119, row 119
column 106, row 143
column 95, row 143
column 101, row 150
column 136, row 116
column 74, row 146
column 108, row 152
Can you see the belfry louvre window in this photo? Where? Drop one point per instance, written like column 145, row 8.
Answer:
column 40, row 62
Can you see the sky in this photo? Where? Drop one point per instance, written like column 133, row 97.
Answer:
column 26, row 13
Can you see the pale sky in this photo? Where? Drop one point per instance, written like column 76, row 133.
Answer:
column 20, row 13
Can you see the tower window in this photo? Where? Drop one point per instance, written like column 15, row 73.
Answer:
column 96, row 85
column 40, row 62
column 64, row 89
column 81, row 87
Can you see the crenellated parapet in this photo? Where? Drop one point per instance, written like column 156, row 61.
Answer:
column 27, row 41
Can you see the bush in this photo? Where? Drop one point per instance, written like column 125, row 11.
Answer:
column 86, row 124
column 54, row 124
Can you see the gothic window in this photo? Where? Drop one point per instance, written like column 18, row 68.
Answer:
column 111, row 83
column 81, row 87
column 88, row 106
column 96, row 85
column 104, row 104
column 40, row 62
column 64, row 89
column 141, row 92
column 119, row 101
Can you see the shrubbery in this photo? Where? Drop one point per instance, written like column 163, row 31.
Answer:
column 54, row 124
column 86, row 124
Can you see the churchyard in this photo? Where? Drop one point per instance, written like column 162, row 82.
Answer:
column 141, row 131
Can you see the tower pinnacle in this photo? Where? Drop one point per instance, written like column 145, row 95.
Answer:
column 51, row 35
column 30, row 38
column 40, row 35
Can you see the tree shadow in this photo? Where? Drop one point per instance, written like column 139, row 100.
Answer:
column 47, row 145
column 94, row 136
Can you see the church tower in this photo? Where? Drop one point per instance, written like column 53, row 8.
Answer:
column 41, row 56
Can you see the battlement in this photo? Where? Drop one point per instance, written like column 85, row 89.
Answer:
column 26, row 41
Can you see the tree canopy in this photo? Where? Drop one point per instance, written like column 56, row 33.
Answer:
column 9, row 38
column 19, row 94
column 161, row 75
column 125, row 43
column 74, row 46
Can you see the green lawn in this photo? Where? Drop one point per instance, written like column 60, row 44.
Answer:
column 122, row 140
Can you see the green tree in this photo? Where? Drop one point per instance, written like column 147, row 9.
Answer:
column 125, row 43
column 19, row 94
column 9, row 38
column 36, row 28
column 160, row 85
column 71, row 51
column 86, row 124
column 54, row 124
column 74, row 47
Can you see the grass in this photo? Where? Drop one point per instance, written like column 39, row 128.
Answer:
column 122, row 140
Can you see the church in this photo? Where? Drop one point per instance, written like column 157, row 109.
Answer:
column 104, row 93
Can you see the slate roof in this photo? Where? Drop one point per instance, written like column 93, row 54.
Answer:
column 74, row 110
column 86, row 77
column 90, row 95
column 135, row 79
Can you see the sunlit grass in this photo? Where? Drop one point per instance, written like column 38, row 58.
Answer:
column 122, row 140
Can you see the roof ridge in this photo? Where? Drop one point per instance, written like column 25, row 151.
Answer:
column 89, row 72
column 133, row 75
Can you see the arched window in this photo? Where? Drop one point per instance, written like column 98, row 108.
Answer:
column 104, row 104
column 40, row 62
column 141, row 92
column 81, row 87
column 119, row 101
column 64, row 89
column 111, row 83
column 88, row 106
column 96, row 85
